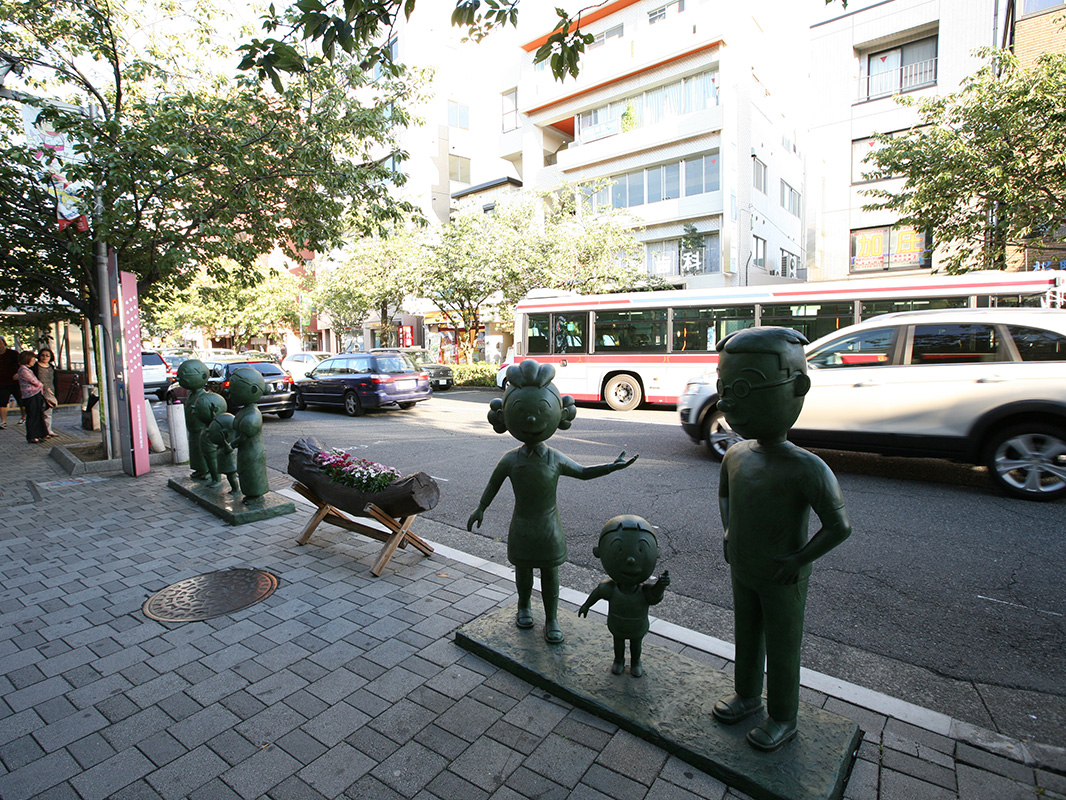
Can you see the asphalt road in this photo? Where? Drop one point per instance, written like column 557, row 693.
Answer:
column 946, row 595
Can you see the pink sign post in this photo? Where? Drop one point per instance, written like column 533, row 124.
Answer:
column 133, row 374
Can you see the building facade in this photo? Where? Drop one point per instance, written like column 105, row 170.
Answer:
column 861, row 61
column 670, row 120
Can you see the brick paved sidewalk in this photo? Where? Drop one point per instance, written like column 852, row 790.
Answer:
column 340, row 684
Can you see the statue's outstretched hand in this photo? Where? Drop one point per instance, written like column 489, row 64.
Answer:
column 622, row 463
column 664, row 579
column 584, row 610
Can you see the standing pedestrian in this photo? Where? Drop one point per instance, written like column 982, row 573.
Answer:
column 32, row 397
column 9, row 382
column 46, row 374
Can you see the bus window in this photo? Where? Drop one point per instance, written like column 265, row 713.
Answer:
column 570, row 332
column 631, row 331
column 539, row 340
column 872, row 308
column 698, row 329
column 813, row 320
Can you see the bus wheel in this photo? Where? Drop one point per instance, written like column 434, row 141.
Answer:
column 718, row 435
column 623, row 393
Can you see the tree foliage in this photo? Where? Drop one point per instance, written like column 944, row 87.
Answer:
column 486, row 262
column 375, row 274
column 985, row 168
column 220, row 305
column 192, row 168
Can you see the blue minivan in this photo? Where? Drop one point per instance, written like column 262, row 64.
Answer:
column 356, row 381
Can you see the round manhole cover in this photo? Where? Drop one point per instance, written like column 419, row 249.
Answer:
column 210, row 595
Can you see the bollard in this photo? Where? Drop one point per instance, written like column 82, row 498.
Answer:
column 155, row 438
column 179, row 434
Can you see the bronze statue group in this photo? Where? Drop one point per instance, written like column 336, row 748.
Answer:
column 767, row 489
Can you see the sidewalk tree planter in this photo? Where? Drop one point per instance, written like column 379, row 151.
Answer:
column 394, row 507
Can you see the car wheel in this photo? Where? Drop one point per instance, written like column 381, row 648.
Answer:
column 352, row 406
column 718, row 435
column 301, row 404
column 406, row 405
column 286, row 414
column 1029, row 461
column 504, row 384
column 623, row 393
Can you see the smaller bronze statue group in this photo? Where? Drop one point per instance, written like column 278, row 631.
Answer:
column 224, row 444
column 767, row 489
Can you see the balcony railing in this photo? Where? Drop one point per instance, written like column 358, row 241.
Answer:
column 903, row 79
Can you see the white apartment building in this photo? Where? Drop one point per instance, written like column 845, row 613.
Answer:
column 861, row 60
column 670, row 108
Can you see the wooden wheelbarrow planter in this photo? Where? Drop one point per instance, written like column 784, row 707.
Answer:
column 395, row 508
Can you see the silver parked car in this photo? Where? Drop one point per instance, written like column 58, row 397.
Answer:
column 984, row 386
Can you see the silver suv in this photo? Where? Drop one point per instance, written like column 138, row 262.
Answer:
column 985, row 386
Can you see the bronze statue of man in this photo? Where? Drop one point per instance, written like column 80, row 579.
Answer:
column 767, row 489
column 246, row 386
column 531, row 411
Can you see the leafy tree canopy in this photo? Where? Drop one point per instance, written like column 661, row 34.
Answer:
column 985, row 168
column 192, row 169
column 221, row 305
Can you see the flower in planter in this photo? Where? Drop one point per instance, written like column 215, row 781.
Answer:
column 347, row 470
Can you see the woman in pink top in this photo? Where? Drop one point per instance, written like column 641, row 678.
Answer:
column 32, row 397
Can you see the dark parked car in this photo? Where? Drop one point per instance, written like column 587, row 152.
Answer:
column 355, row 381
column 279, row 397
column 440, row 375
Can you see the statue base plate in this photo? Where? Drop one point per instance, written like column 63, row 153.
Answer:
column 670, row 705
column 231, row 507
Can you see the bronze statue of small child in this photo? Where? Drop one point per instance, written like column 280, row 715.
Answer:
column 531, row 411
column 628, row 551
column 767, row 488
column 215, row 440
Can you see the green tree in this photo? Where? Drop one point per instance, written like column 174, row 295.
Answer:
column 374, row 274
column 193, row 169
column 985, row 168
column 485, row 262
column 221, row 306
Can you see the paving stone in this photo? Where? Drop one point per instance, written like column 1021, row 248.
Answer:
column 335, row 723
column 269, row 725
column 691, row 779
column 138, row 790
column 370, row 788
column 63, row 791
column 117, row 708
column 20, row 752
column 514, row 737
column 561, row 760
column 898, row 786
column 188, row 773
column 301, row 746
column 378, row 746
column 37, row 693
column 243, row 704
column 401, row 721
column 135, row 728
column 260, row 773
column 335, row 685
column 863, row 781
column 106, row 778
column 162, row 748
column 98, row 691
column 967, row 754
column 203, row 725
column 870, row 722
column 448, row 784
column 70, row 728
column 487, row 764
column 535, row 715
column 664, row 790
column 410, row 769
column 339, row 768
column 395, row 684
column 232, row 747
column 276, row 687
column 531, row 784
column 627, row 755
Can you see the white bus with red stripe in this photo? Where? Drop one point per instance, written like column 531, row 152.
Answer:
column 634, row 347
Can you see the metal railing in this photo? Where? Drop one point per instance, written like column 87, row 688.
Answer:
column 903, row 79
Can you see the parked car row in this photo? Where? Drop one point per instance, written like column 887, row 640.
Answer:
column 984, row 386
